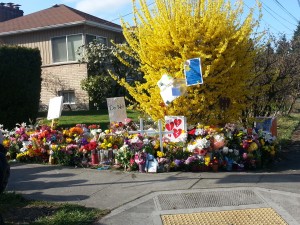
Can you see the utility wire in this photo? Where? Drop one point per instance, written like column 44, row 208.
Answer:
column 277, row 19
column 284, row 9
column 265, row 21
column 125, row 15
column 278, row 14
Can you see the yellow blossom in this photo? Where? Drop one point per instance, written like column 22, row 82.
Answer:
column 253, row 146
column 160, row 154
column 206, row 160
column 6, row 143
column 171, row 32
column 109, row 145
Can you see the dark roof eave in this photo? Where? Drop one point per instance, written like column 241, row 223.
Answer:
column 91, row 23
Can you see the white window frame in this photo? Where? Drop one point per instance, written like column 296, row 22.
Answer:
column 66, row 39
column 62, row 92
column 97, row 37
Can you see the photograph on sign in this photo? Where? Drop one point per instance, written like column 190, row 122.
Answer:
column 192, row 72
column 55, row 108
column 116, row 109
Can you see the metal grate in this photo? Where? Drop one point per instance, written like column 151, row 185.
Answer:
column 262, row 216
column 207, row 199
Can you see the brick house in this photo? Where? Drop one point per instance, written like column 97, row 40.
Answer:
column 57, row 32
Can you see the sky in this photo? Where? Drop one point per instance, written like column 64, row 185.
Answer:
column 279, row 16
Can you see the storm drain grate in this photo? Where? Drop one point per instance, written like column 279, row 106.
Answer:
column 207, row 199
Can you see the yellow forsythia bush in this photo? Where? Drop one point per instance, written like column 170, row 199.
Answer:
column 169, row 32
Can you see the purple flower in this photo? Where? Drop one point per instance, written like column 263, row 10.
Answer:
column 178, row 162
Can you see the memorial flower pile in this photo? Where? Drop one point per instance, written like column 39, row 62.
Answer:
column 206, row 147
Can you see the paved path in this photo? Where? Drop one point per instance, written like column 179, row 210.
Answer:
column 141, row 198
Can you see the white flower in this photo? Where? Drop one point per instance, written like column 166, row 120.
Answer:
column 225, row 150
column 219, row 137
column 191, row 147
column 236, row 152
column 202, row 143
column 200, row 131
column 230, row 150
column 135, row 140
column 146, row 141
column 124, row 148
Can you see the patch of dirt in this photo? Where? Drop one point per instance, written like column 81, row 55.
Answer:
column 27, row 214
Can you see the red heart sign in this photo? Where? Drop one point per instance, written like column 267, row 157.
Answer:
column 170, row 126
column 177, row 122
column 177, row 132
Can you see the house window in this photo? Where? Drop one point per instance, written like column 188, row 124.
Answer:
column 64, row 48
column 89, row 38
column 68, row 96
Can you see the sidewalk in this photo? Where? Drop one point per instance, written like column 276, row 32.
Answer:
column 136, row 198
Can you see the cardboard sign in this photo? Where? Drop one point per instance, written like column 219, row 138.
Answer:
column 176, row 124
column 192, row 71
column 55, row 108
column 268, row 124
column 116, row 109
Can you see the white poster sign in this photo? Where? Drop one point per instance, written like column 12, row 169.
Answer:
column 177, row 124
column 55, row 108
column 116, row 109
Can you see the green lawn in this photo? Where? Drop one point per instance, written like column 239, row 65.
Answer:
column 15, row 209
column 286, row 126
column 100, row 117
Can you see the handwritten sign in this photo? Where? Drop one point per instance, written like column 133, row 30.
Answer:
column 55, row 108
column 192, row 71
column 176, row 124
column 116, row 109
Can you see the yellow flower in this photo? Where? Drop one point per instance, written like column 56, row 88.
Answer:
column 69, row 140
column 160, row 154
column 6, row 143
column 103, row 145
column 253, row 146
column 172, row 164
column 207, row 160
column 109, row 145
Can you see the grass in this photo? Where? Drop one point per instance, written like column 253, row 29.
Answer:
column 15, row 209
column 286, row 127
column 99, row 117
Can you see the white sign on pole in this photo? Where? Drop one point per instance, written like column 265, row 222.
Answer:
column 116, row 109
column 55, row 108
